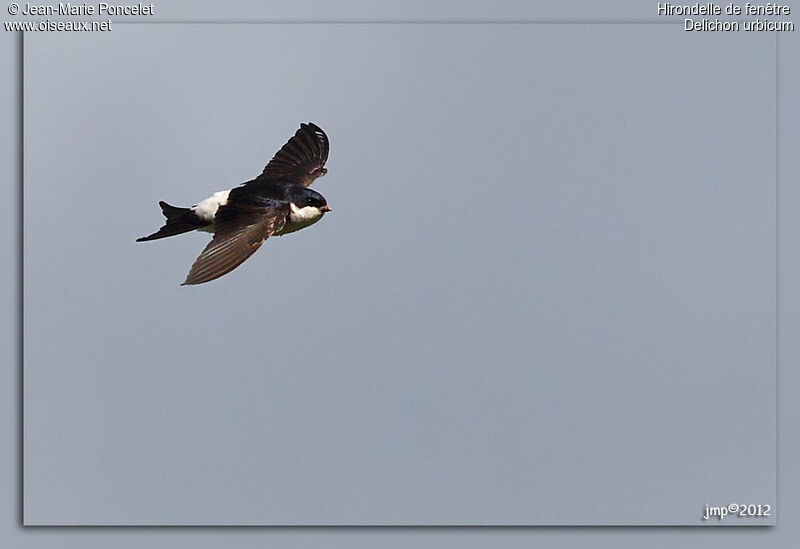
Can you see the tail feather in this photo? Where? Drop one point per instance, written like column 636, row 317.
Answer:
column 179, row 221
column 171, row 212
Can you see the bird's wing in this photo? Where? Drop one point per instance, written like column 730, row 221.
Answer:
column 302, row 159
column 239, row 231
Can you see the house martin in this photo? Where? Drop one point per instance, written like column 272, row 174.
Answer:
column 277, row 202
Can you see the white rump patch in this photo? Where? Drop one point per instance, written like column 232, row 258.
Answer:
column 207, row 209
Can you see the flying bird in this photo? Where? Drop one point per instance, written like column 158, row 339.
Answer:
column 277, row 202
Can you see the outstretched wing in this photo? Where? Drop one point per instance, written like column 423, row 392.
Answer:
column 239, row 231
column 302, row 159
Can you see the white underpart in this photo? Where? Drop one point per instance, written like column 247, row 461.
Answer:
column 300, row 218
column 207, row 209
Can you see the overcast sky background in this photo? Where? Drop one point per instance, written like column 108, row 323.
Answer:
column 545, row 294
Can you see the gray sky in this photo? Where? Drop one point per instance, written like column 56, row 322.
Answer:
column 549, row 277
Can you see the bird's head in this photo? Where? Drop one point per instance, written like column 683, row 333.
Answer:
column 306, row 205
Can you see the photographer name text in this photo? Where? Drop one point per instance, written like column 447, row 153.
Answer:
column 83, row 9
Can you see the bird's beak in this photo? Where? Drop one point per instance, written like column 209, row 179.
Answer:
column 325, row 208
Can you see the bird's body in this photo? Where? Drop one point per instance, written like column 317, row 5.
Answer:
column 277, row 202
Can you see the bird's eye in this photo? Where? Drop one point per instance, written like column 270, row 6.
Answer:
column 309, row 200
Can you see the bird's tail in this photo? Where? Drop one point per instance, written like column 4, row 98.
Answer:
column 179, row 221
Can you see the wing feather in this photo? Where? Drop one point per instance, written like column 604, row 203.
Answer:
column 302, row 159
column 239, row 232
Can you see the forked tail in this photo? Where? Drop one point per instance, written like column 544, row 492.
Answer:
column 179, row 221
